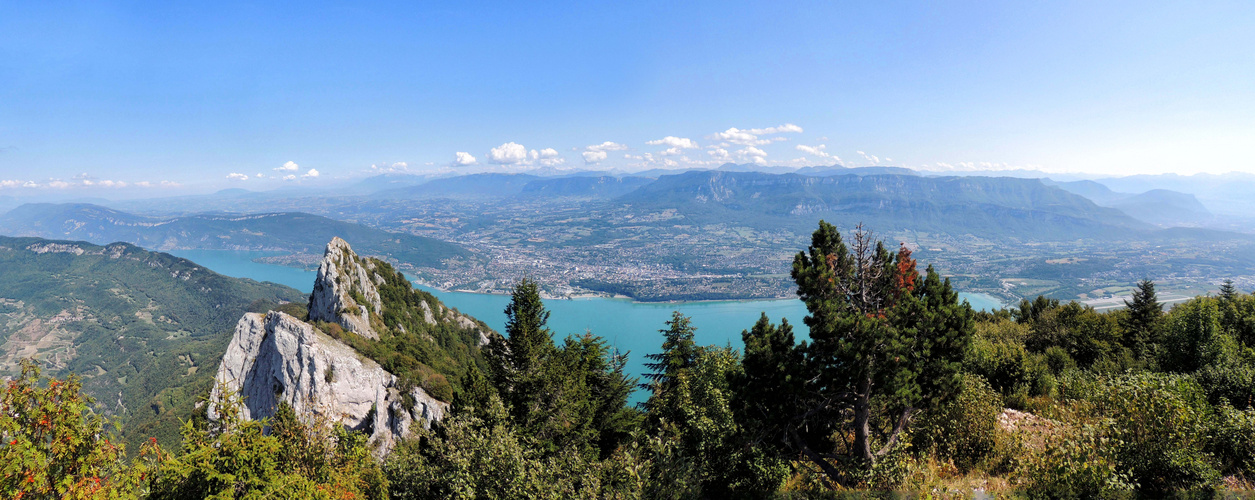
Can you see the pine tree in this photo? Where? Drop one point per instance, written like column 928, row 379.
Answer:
column 1144, row 313
column 1228, row 292
column 518, row 359
column 772, row 385
column 879, row 334
column 679, row 352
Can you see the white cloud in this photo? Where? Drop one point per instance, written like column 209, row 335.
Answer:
column 749, row 137
column 719, row 154
column 737, row 136
column 607, row 146
column 552, row 162
column 9, row 183
column 463, row 159
column 237, row 176
column 817, row 151
column 289, row 177
column 386, row 167
column 871, row 158
column 753, row 154
column 673, row 142
column 290, row 166
column 508, row 153
column 788, row 127
column 58, row 184
column 597, row 152
column 548, row 153
column 30, row 184
column 591, row 157
column 311, row 173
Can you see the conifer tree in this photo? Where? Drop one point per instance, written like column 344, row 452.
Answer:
column 1144, row 313
column 518, row 359
column 881, row 336
column 679, row 352
column 1228, row 292
column 772, row 385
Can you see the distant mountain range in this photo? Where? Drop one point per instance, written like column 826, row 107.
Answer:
column 989, row 207
column 1222, row 194
column 1161, row 207
column 299, row 233
column 489, row 186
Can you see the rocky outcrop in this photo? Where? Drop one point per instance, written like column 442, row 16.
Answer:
column 345, row 291
column 467, row 322
column 277, row 358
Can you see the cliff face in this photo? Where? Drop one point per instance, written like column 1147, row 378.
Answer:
column 345, row 290
column 278, row 358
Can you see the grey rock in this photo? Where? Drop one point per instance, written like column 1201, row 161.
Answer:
column 340, row 274
column 277, row 358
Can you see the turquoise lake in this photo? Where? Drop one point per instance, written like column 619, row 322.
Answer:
column 630, row 326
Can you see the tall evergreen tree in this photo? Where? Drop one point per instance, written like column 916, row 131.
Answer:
column 880, row 336
column 772, row 385
column 1144, row 313
column 1228, row 292
column 568, row 397
column 679, row 352
column 1030, row 312
column 518, row 359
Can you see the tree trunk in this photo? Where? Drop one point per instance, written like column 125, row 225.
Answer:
column 862, row 421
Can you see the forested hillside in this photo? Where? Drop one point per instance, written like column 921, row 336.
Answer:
column 143, row 329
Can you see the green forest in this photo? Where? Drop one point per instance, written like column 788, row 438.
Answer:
column 900, row 389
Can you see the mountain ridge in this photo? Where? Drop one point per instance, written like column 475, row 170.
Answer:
column 295, row 232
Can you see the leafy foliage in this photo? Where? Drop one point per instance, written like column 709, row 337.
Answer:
column 565, row 397
column 234, row 457
column 53, row 444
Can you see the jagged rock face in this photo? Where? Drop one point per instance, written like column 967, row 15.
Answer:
column 345, row 291
column 278, row 358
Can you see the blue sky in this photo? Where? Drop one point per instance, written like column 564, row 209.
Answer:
column 192, row 92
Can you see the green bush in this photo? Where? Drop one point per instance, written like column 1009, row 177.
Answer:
column 53, row 445
column 1234, row 444
column 1160, row 430
column 965, row 429
column 998, row 354
column 1075, row 463
column 1232, row 382
column 1058, row 359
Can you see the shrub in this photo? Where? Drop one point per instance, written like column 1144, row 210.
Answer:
column 1232, row 382
column 1058, row 359
column 964, row 429
column 233, row 457
column 1076, row 463
column 1160, row 430
column 1234, row 444
column 53, row 445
